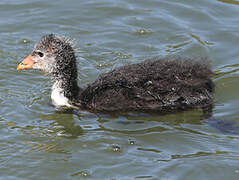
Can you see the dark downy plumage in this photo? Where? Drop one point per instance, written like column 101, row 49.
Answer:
column 158, row 84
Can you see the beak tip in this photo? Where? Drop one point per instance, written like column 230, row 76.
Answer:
column 20, row 67
column 26, row 63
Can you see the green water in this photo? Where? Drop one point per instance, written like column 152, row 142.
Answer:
column 36, row 142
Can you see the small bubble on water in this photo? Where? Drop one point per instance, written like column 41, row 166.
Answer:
column 115, row 148
column 83, row 174
column 237, row 171
column 25, row 41
column 132, row 142
column 143, row 32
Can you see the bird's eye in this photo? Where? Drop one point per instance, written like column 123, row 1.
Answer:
column 40, row 54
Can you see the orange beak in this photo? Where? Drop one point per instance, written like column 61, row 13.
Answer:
column 26, row 63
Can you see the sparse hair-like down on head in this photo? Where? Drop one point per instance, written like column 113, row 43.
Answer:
column 67, row 40
column 49, row 39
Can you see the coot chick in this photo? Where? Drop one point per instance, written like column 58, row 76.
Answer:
column 158, row 85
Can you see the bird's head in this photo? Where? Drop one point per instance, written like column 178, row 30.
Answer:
column 52, row 54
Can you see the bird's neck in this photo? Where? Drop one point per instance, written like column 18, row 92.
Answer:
column 65, row 90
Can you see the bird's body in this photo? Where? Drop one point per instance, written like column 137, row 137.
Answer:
column 154, row 85
column 159, row 85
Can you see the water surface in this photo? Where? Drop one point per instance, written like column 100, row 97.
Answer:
column 38, row 142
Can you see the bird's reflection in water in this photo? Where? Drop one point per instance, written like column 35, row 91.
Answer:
column 64, row 123
column 193, row 116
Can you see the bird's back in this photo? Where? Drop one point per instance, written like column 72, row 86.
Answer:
column 159, row 85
